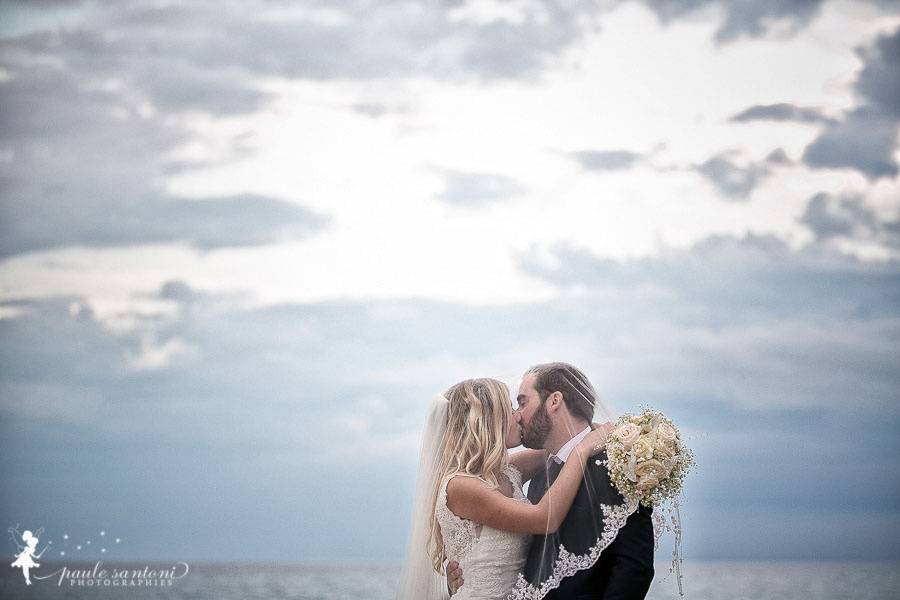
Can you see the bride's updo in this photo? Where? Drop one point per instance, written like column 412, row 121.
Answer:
column 475, row 443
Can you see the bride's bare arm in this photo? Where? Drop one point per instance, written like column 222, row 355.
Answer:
column 529, row 462
column 469, row 498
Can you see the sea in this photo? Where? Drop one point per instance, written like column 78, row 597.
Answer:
column 701, row 581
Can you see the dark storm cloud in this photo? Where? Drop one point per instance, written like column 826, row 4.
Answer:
column 781, row 112
column 469, row 189
column 606, row 160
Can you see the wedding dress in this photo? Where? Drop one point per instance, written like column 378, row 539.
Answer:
column 491, row 559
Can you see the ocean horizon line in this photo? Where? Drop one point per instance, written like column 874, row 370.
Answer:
column 364, row 563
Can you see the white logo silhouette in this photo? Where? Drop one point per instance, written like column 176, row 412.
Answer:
column 25, row 558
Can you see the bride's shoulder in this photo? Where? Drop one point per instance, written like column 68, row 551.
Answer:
column 467, row 486
column 462, row 480
column 461, row 490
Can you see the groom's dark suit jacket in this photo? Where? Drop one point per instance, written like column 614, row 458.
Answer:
column 624, row 569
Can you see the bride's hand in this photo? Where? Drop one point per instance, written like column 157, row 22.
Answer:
column 454, row 577
column 595, row 441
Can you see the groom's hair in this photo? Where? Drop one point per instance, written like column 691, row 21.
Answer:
column 576, row 389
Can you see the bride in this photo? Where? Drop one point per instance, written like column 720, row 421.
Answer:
column 469, row 503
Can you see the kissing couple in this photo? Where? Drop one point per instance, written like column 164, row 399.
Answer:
column 573, row 537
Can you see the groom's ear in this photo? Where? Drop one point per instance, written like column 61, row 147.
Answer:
column 554, row 401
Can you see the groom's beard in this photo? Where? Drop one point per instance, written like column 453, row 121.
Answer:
column 535, row 433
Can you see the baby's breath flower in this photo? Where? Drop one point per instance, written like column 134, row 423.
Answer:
column 659, row 443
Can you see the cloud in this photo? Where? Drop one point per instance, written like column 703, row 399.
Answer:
column 173, row 86
column 781, row 112
column 318, row 41
column 241, row 220
column 879, row 80
column 866, row 138
column 379, row 109
column 744, row 341
column 736, row 181
column 747, row 341
column 178, row 291
column 606, row 160
column 748, row 310
column 462, row 188
column 779, row 157
column 182, row 55
column 832, row 217
column 124, row 85
column 105, row 221
column 751, row 19
column 87, row 168
column 756, row 18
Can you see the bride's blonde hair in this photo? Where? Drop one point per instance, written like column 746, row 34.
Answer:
column 475, row 442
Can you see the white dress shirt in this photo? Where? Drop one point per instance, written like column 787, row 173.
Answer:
column 567, row 448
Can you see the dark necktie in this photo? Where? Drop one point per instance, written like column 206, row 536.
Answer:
column 553, row 471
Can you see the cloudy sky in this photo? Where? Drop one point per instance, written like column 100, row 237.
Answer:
column 244, row 243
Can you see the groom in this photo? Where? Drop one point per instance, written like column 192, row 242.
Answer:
column 555, row 409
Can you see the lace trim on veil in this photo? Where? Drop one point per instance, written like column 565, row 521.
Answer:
column 567, row 564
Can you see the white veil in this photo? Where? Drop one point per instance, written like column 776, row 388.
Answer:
column 419, row 580
column 588, row 531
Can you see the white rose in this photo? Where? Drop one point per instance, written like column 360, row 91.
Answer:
column 666, row 432
column 642, row 448
column 662, row 449
column 647, row 483
column 651, row 468
column 628, row 434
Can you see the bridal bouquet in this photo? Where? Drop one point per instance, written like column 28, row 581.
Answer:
column 647, row 460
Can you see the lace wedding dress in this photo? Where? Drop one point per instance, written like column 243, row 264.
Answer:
column 491, row 559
